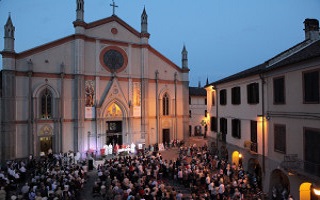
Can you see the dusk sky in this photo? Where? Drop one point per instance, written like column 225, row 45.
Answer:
column 222, row 37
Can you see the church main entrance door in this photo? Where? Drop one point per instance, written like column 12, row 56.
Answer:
column 114, row 132
column 166, row 136
column 45, row 144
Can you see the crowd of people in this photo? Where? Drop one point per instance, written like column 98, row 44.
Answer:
column 150, row 176
column 50, row 177
column 205, row 175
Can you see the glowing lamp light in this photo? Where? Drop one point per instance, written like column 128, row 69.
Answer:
column 203, row 122
column 316, row 191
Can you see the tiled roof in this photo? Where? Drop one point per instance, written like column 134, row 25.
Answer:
column 248, row 72
column 197, row 91
column 311, row 51
column 304, row 53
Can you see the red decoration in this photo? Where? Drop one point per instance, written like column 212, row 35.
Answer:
column 114, row 31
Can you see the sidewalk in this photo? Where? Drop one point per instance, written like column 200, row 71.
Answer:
column 86, row 192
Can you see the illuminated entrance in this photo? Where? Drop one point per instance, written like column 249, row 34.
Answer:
column 114, row 132
column 166, row 136
column 237, row 158
column 45, row 144
column 45, row 139
column 114, row 117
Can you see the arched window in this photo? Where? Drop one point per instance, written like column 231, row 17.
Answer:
column 46, row 104
column 165, row 104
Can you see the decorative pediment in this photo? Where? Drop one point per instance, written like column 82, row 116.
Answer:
column 115, row 91
column 114, row 103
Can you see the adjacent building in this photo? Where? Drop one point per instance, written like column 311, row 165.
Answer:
column 267, row 118
column 198, row 111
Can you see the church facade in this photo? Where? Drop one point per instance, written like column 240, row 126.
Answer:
column 105, row 84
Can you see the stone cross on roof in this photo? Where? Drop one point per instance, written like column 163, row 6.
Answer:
column 114, row 6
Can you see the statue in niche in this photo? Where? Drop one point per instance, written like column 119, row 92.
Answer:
column 89, row 92
column 136, row 94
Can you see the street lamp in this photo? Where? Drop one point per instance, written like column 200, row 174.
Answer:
column 316, row 191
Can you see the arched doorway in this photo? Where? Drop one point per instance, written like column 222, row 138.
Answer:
column 236, row 158
column 308, row 192
column 45, row 144
column 279, row 185
column 255, row 172
column 305, row 191
column 166, row 136
column 197, row 130
column 45, row 139
column 114, row 124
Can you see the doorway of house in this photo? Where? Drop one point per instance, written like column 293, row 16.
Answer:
column 114, row 132
column 197, row 130
column 45, row 144
column 166, row 136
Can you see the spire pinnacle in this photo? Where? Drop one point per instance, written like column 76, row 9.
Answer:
column 80, row 10
column 184, row 57
column 144, row 21
column 9, row 35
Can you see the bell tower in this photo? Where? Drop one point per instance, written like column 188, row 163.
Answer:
column 8, row 112
column 8, row 53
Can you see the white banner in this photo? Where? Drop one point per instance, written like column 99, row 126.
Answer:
column 89, row 112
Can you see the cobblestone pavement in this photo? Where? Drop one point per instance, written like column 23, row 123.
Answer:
column 168, row 154
column 86, row 192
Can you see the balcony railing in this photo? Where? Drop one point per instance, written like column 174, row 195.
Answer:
column 292, row 163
